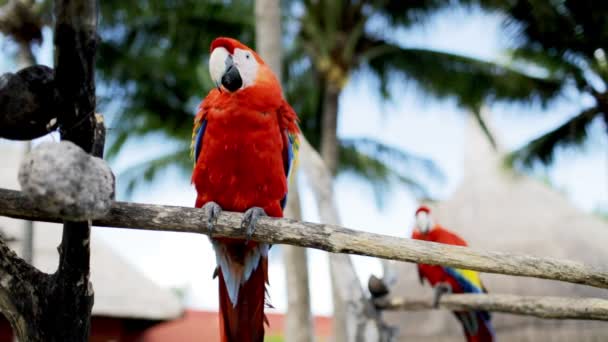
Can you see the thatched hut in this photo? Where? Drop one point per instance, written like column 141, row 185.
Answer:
column 494, row 209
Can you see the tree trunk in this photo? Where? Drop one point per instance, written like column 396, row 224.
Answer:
column 75, row 51
column 299, row 326
column 329, row 128
column 268, row 33
column 299, row 323
column 360, row 321
column 355, row 318
column 329, row 153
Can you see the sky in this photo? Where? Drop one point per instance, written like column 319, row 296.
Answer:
column 415, row 123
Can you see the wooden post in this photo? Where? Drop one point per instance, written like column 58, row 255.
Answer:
column 57, row 307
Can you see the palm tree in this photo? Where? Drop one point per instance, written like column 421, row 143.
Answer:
column 565, row 41
column 335, row 38
column 152, row 61
column 153, row 65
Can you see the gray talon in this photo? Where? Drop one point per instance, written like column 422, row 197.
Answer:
column 212, row 210
column 249, row 220
column 438, row 291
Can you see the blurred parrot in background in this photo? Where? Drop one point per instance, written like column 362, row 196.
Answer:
column 477, row 325
column 244, row 145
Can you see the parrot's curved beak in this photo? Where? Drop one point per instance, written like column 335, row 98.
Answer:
column 231, row 79
column 223, row 70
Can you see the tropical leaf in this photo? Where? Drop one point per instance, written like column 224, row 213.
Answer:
column 147, row 171
column 484, row 127
column 472, row 82
column 571, row 133
column 556, row 66
column 153, row 61
column 556, row 27
column 381, row 164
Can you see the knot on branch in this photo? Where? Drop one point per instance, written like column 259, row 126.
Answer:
column 28, row 103
column 64, row 180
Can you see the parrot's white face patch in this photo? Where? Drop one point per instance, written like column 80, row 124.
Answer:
column 247, row 65
column 217, row 64
column 423, row 222
column 243, row 60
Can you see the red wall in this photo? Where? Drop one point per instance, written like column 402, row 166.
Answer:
column 103, row 329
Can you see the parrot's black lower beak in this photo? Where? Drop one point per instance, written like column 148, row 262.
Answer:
column 232, row 79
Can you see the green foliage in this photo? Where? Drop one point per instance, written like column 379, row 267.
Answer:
column 472, row 82
column 304, row 90
column 571, row 133
column 153, row 57
column 147, row 171
column 381, row 164
column 153, row 60
column 565, row 40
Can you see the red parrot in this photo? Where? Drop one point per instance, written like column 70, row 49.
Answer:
column 477, row 325
column 244, row 144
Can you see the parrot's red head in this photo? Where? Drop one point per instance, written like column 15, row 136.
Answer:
column 234, row 66
column 424, row 222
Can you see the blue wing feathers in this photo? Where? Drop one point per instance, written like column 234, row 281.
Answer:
column 288, row 162
column 466, row 285
column 198, row 143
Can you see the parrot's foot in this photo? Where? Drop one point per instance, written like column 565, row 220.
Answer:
column 212, row 210
column 249, row 220
column 438, row 291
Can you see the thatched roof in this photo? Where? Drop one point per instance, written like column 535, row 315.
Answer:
column 493, row 209
column 120, row 289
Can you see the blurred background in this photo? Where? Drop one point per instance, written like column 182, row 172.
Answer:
column 494, row 113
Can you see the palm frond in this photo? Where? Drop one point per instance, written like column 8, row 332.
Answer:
column 147, row 171
column 407, row 13
column 558, row 27
column 469, row 80
column 543, row 149
column 151, row 57
column 484, row 127
column 381, row 164
column 559, row 67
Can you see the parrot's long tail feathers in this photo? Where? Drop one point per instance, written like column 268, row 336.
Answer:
column 477, row 326
column 486, row 331
column 242, row 290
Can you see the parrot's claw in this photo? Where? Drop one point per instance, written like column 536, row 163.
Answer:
column 249, row 220
column 438, row 291
column 212, row 210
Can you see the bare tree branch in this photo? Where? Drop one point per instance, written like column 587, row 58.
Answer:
column 355, row 318
column 326, row 237
column 538, row 306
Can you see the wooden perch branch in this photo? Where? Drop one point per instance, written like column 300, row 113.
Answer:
column 538, row 306
column 330, row 238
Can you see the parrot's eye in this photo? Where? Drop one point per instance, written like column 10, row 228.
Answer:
column 247, row 65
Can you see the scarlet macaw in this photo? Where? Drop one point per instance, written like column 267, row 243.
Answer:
column 244, row 144
column 477, row 325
